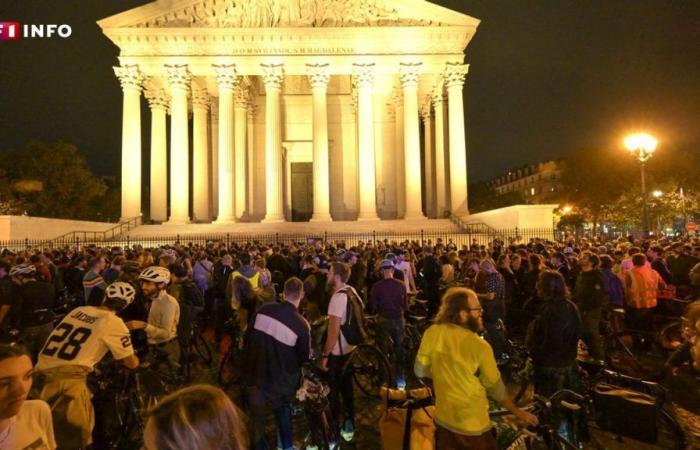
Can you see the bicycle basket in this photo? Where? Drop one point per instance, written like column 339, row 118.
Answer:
column 407, row 421
column 626, row 412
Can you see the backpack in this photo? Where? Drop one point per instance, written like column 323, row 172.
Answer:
column 354, row 327
column 193, row 295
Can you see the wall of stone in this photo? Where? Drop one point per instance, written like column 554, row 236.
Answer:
column 25, row 227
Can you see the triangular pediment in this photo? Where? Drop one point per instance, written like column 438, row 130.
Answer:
column 286, row 13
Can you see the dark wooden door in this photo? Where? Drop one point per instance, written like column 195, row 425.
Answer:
column 302, row 191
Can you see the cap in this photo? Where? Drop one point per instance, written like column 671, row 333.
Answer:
column 568, row 250
column 386, row 264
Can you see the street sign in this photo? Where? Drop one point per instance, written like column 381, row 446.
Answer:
column 691, row 226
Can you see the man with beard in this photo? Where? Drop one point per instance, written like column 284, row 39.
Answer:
column 163, row 318
column 23, row 423
column 464, row 372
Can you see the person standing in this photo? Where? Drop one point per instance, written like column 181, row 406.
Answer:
column 163, row 317
column 93, row 278
column 491, row 291
column 642, row 284
column 78, row 343
column 278, row 343
column 432, row 272
column 590, row 296
column 24, row 424
column 388, row 300
column 464, row 373
column 337, row 350
column 36, row 300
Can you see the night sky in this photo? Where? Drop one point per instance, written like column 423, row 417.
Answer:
column 546, row 77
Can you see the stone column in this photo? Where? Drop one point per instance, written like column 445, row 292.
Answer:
column 400, row 164
column 200, row 158
column 427, row 116
column 250, row 146
column 214, row 149
column 454, row 80
column 440, row 186
column 179, row 80
column 319, row 76
column 364, row 80
column 240, row 129
column 226, row 80
column 273, row 76
column 131, row 81
column 409, row 74
column 158, row 100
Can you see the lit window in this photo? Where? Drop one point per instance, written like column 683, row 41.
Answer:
column 532, row 191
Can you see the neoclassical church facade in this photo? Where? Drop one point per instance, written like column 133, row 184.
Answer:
column 293, row 110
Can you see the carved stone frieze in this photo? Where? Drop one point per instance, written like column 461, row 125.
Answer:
column 285, row 13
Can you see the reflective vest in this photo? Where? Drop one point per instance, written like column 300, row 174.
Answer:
column 644, row 287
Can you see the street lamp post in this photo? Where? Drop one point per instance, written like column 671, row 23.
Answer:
column 642, row 147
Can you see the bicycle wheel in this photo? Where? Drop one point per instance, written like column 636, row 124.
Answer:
column 671, row 434
column 623, row 357
column 370, row 369
column 411, row 344
column 227, row 375
column 199, row 347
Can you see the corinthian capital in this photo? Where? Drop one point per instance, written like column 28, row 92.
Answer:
column 241, row 99
column 273, row 76
column 158, row 98
column 319, row 75
column 178, row 76
column 226, row 75
column 436, row 97
column 409, row 73
column 455, row 73
column 200, row 98
column 130, row 77
column 363, row 75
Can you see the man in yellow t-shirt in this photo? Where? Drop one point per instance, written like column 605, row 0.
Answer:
column 464, row 373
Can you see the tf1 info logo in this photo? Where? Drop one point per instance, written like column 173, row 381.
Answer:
column 13, row 31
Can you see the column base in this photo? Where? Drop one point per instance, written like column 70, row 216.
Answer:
column 227, row 220
column 321, row 218
column 368, row 219
column 273, row 219
column 414, row 216
column 177, row 221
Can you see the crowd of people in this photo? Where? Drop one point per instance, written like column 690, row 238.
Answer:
column 70, row 309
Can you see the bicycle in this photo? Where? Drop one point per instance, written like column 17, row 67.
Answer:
column 370, row 367
column 313, row 404
column 126, row 403
column 198, row 348
column 545, row 434
column 228, row 372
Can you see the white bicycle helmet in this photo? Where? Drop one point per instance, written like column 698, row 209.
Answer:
column 155, row 274
column 121, row 291
column 23, row 269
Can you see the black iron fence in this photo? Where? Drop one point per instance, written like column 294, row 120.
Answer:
column 465, row 237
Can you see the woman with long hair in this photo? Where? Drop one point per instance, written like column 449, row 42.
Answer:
column 198, row 417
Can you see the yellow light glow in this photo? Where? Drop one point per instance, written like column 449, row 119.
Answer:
column 641, row 141
column 657, row 193
column 567, row 209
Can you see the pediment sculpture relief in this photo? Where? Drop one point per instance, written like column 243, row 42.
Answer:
column 284, row 13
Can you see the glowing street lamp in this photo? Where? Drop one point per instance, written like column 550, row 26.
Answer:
column 567, row 209
column 642, row 147
column 657, row 193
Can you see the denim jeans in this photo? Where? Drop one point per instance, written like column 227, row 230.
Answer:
column 259, row 402
column 393, row 329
